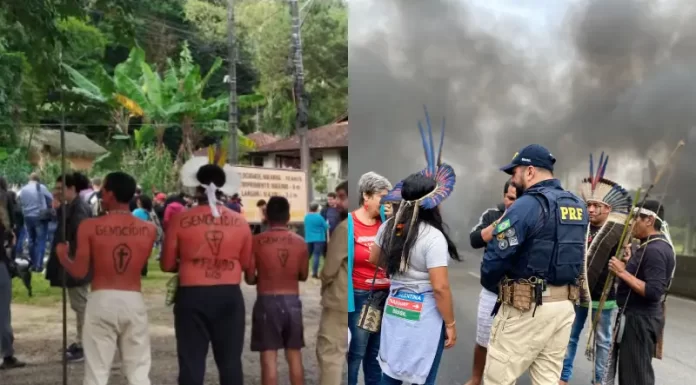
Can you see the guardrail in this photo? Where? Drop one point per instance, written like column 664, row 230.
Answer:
column 684, row 283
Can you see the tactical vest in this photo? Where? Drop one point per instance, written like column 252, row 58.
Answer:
column 555, row 249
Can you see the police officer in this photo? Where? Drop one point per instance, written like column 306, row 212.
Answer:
column 534, row 263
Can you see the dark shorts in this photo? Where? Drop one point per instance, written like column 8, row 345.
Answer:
column 276, row 323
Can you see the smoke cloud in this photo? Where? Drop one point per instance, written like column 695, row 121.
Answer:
column 599, row 75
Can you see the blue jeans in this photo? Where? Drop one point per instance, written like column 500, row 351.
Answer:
column 364, row 346
column 21, row 238
column 316, row 249
column 603, row 342
column 36, row 232
column 52, row 227
column 432, row 376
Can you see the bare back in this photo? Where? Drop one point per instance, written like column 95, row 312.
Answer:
column 120, row 246
column 282, row 261
column 206, row 250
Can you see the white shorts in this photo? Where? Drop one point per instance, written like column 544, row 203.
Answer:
column 484, row 320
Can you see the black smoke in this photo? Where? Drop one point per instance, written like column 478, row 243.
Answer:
column 617, row 75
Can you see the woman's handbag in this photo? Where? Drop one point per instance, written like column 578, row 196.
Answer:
column 371, row 312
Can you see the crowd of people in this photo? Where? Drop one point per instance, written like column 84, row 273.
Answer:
column 552, row 260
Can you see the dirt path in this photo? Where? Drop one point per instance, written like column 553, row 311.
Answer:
column 38, row 338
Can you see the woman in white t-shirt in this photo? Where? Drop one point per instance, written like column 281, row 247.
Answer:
column 418, row 321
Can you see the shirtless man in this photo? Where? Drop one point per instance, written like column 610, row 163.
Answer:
column 117, row 246
column 209, row 245
column 282, row 261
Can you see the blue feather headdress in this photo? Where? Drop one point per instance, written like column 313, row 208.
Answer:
column 442, row 173
column 596, row 188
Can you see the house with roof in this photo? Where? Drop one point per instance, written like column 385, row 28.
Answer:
column 328, row 144
column 44, row 146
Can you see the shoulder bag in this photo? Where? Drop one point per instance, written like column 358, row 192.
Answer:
column 371, row 312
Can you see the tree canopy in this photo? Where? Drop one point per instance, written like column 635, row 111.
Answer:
column 134, row 73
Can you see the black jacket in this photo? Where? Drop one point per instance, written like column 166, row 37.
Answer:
column 489, row 216
column 77, row 211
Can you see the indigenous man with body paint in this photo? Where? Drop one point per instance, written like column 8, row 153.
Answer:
column 480, row 235
column 641, row 293
column 209, row 246
column 608, row 206
column 281, row 259
column 534, row 262
column 116, row 246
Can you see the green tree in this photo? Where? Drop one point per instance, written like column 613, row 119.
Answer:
column 325, row 58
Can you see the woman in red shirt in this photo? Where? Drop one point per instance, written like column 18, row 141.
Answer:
column 364, row 345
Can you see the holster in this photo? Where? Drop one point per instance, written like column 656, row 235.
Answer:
column 521, row 294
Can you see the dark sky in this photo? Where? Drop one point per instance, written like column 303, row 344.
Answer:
column 612, row 75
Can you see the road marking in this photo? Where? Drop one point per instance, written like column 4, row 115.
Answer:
column 475, row 275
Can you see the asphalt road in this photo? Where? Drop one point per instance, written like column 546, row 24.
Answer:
column 678, row 367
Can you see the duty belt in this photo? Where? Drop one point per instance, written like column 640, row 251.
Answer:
column 521, row 293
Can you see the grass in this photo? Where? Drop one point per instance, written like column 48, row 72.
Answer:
column 45, row 295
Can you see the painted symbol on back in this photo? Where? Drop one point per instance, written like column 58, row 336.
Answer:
column 122, row 256
column 283, row 256
column 214, row 239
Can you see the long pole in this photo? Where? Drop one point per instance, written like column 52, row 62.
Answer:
column 63, row 225
column 300, row 102
column 232, row 82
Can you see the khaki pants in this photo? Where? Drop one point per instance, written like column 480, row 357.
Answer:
column 519, row 342
column 332, row 346
column 116, row 318
column 78, row 302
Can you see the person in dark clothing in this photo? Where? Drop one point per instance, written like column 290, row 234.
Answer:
column 479, row 237
column 159, row 201
column 641, row 293
column 234, row 203
column 259, row 228
column 134, row 202
column 330, row 212
column 76, row 211
column 7, row 208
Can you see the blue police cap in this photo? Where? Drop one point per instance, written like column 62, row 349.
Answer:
column 533, row 155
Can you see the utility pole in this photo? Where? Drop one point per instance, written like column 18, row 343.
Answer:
column 232, row 154
column 300, row 99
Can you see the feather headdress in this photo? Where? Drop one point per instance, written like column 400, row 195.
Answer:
column 440, row 172
column 596, row 188
column 217, row 156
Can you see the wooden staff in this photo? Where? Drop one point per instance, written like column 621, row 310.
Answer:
column 63, row 225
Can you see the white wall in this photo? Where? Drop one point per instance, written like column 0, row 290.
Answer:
column 332, row 164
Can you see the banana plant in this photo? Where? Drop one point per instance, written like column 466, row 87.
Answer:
column 197, row 114
column 104, row 90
